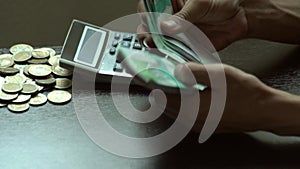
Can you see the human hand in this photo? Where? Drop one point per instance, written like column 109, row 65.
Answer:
column 143, row 30
column 223, row 21
column 245, row 100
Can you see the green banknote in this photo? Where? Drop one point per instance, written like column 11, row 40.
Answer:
column 164, row 6
column 154, row 70
column 174, row 48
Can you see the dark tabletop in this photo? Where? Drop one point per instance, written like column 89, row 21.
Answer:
column 51, row 136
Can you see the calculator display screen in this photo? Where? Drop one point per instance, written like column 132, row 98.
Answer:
column 90, row 46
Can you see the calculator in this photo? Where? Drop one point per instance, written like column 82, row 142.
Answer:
column 120, row 55
column 94, row 48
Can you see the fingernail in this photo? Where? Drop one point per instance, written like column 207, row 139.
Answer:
column 170, row 23
column 171, row 26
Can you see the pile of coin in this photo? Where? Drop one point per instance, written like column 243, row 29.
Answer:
column 31, row 77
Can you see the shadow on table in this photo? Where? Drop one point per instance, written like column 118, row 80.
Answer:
column 229, row 151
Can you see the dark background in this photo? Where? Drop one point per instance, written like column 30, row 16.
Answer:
column 40, row 22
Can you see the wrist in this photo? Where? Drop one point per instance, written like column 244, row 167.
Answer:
column 259, row 105
column 274, row 20
column 281, row 113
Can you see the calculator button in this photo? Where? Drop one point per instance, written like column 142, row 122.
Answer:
column 112, row 51
column 117, row 36
column 118, row 67
column 115, row 43
column 137, row 46
column 125, row 44
column 136, row 38
column 119, row 58
column 127, row 37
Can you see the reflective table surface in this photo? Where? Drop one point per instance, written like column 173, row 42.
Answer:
column 50, row 136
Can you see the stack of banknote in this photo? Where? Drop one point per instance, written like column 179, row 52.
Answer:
column 157, row 10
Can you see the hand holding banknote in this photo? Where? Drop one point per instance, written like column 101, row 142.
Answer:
column 223, row 21
column 244, row 111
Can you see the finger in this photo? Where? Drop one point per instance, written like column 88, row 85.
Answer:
column 194, row 9
column 173, row 25
column 142, row 31
column 141, row 10
column 148, row 42
column 144, row 36
column 192, row 12
column 180, row 4
column 143, row 18
column 175, row 6
column 141, row 7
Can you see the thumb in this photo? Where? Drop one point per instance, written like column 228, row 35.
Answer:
column 192, row 73
column 191, row 12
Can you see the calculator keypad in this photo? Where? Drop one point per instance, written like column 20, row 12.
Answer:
column 125, row 40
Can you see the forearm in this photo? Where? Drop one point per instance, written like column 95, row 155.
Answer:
column 282, row 114
column 276, row 20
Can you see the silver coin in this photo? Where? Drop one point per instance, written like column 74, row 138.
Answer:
column 40, row 53
column 54, row 60
column 22, row 56
column 40, row 88
column 18, row 78
column 18, row 108
column 7, row 97
column 59, row 96
column 63, row 83
column 20, row 48
column 38, row 100
column 62, row 72
column 50, row 50
column 39, row 70
column 9, row 71
column 46, row 82
column 38, row 61
column 22, row 98
column 6, row 60
column 29, row 88
column 12, row 87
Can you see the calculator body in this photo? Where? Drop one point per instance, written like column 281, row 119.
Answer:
column 90, row 48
